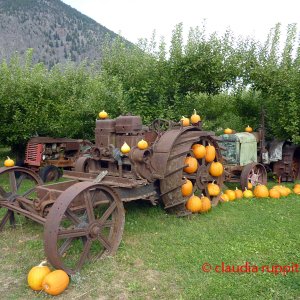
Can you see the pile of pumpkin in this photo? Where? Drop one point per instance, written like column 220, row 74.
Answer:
column 195, row 203
column 40, row 278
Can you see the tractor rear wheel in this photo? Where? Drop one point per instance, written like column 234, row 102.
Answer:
column 170, row 186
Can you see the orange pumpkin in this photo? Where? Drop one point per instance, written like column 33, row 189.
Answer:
column 185, row 121
column 224, row 197
column 273, row 193
column 36, row 276
column 199, row 151
column 228, row 131
column 248, row 194
column 230, row 194
column 284, row 191
column 56, row 282
column 249, row 185
column 206, row 204
column 210, row 153
column 187, row 188
column 216, row 169
column 213, row 189
column 238, row 193
column 142, row 144
column 194, row 204
column 248, row 129
column 297, row 185
column 296, row 189
column 192, row 165
column 195, row 118
column 261, row 191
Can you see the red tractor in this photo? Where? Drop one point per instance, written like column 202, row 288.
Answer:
column 49, row 156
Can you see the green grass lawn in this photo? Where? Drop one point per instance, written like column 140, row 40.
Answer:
column 161, row 256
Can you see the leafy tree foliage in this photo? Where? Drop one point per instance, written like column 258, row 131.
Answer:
column 228, row 81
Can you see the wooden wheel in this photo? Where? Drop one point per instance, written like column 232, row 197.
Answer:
column 85, row 222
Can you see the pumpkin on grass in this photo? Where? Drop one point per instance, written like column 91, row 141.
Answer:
column 238, row 193
column 261, row 191
column 248, row 193
column 224, row 197
column 206, row 204
column 273, row 193
column 296, row 189
column 283, row 190
column 194, row 204
column 36, row 276
column 55, row 282
column 213, row 189
column 230, row 194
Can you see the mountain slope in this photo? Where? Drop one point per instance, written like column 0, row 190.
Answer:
column 56, row 31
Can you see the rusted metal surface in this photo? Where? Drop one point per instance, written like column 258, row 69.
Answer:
column 254, row 173
column 288, row 169
column 84, row 219
column 174, row 175
column 87, row 216
column 17, row 192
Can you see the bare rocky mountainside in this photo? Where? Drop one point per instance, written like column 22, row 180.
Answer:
column 55, row 31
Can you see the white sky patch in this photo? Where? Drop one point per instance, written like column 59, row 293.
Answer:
column 135, row 19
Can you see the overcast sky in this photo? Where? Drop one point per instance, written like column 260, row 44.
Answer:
column 135, row 19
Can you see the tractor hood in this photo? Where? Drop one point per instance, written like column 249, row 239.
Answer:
column 240, row 148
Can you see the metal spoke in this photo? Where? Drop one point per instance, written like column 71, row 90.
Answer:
column 28, row 192
column 85, row 253
column 65, row 246
column 89, row 206
column 72, row 217
column 104, row 241
column 107, row 213
column 71, row 233
column 13, row 182
column 20, row 180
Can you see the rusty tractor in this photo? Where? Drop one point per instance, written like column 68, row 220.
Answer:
column 83, row 216
column 49, row 156
column 248, row 158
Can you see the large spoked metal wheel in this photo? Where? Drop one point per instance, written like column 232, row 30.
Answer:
column 175, row 176
column 17, row 182
column 85, row 223
column 254, row 173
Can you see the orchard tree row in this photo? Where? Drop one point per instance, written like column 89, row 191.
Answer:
column 228, row 80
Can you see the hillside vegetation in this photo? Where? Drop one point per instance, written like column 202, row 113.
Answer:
column 227, row 80
column 55, row 30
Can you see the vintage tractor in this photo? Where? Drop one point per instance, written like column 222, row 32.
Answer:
column 240, row 153
column 248, row 158
column 49, row 156
column 84, row 215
